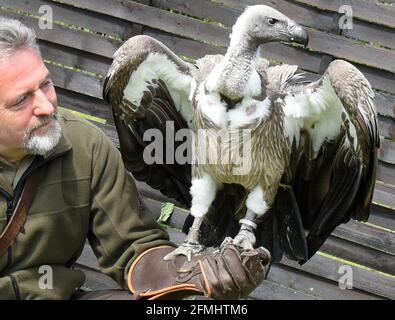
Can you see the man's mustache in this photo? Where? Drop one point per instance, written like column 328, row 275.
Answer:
column 43, row 121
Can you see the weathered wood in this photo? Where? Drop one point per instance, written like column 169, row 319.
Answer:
column 385, row 104
column 382, row 217
column 354, row 51
column 371, row 11
column 387, row 127
column 315, row 286
column 367, row 236
column 84, row 41
column 371, row 33
column 85, row 104
column 97, row 65
column 363, row 279
column 306, row 16
column 202, row 9
column 360, row 254
column 384, row 195
column 387, row 150
column 379, row 79
column 386, row 173
column 182, row 46
column 156, row 18
column 75, row 81
column 271, row 290
column 73, row 16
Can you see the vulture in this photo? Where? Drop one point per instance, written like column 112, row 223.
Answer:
column 300, row 157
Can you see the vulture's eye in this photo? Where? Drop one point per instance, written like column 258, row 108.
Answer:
column 272, row 21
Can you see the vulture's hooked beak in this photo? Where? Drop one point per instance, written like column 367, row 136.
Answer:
column 298, row 34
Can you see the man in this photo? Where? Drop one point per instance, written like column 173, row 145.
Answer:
column 84, row 193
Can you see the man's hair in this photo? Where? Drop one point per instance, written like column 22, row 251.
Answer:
column 15, row 36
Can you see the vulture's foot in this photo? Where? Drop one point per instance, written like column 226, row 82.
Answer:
column 187, row 249
column 245, row 239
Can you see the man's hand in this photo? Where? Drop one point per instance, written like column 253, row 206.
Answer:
column 228, row 273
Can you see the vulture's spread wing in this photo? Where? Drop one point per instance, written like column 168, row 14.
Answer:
column 148, row 86
column 333, row 121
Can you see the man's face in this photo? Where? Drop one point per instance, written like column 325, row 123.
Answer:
column 28, row 121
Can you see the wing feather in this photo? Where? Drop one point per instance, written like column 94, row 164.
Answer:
column 148, row 86
column 336, row 114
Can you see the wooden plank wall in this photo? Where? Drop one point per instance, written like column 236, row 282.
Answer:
column 86, row 33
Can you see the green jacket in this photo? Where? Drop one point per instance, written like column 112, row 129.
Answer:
column 85, row 194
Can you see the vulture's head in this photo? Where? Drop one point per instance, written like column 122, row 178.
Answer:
column 260, row 24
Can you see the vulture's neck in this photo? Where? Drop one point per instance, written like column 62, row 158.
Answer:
column 236, row 68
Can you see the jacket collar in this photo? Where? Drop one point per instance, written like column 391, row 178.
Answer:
column 62, row 147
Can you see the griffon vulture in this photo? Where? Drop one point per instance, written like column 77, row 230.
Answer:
column 312, row 148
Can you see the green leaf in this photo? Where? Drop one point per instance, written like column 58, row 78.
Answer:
column 165, row 212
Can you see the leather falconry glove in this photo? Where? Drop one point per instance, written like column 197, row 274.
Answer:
column 227, row 273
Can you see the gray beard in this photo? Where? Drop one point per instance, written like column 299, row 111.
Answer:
column 42, row 144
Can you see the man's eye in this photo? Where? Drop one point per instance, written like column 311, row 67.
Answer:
column 46, row 84
column 20, row 102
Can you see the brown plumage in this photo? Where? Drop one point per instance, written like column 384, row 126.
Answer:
column 269, row 151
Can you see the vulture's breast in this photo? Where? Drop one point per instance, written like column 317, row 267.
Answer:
column 252, row 154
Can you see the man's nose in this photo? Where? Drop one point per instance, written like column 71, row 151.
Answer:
column 42, row 105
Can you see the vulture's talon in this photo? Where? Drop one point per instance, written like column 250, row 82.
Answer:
column 187, row 249
column 227, row 241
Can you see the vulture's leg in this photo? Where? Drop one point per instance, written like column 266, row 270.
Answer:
column 256, row 207
column 203, row 192
column 191, row 245
column 246, row 238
